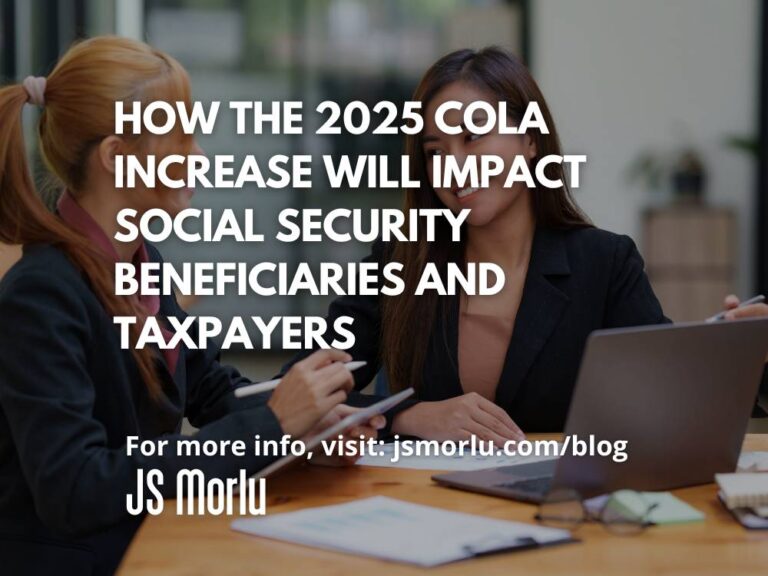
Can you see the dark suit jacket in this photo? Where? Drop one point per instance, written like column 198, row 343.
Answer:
column 578, row 281
column 69, row 396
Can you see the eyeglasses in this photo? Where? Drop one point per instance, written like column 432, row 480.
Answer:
column 625, row 512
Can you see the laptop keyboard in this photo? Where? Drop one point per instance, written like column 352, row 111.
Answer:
column 539, row 485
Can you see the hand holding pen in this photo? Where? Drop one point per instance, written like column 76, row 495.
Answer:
column 735, row 309
column 310, row 389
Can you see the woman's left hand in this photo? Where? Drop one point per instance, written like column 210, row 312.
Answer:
column 367, row 430
column 733, row 312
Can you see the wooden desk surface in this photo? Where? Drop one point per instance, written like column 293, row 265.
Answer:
column 188, row 545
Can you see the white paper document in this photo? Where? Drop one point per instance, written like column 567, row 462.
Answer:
column 753, row 462
column 384, row 528
column 444, row 463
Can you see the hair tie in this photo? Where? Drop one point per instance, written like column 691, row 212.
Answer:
column 35, row 87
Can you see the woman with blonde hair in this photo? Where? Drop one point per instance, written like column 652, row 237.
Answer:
column 69, row 394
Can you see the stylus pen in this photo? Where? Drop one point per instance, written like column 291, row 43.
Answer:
column 721, row 315
column 272, row 384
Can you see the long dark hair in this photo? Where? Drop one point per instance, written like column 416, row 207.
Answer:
column 407, row 319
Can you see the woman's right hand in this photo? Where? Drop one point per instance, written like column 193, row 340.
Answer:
column 458, row 419
column 310, row 389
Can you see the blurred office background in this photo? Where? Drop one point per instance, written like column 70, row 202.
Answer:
column 666, row 98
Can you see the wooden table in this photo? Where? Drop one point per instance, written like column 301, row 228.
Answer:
column 188, row 545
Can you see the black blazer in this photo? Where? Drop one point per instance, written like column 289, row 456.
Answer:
column 69, row 396
column 578, row 281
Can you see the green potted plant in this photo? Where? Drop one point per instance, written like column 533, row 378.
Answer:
column 683, row 173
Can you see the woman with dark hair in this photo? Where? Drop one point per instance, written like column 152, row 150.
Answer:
column 496, row 365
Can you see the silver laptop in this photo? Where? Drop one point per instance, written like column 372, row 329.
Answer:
column 680, row 395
